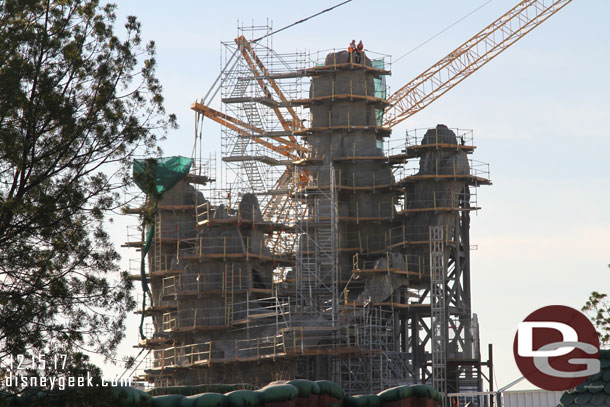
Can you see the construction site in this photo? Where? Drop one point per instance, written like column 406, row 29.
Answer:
column 319, row 247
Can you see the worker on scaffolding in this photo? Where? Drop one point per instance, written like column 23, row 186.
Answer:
column 350, row 50
column 359, row 50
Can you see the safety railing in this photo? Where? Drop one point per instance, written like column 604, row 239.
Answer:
column 415, row 137
column 148, row 329
column 352, row 90
column 394, row 147
column 267, row 307
column 474, row 399
column 439, row 199
column 361, row 241
column 221, row 282
column 402, row 235
column 204, row 166
column 359, row 211
column 378, row 60
column 445, row 168
column 177, row 230
column 134, row 234
column 389, row 262
column 134, row 267
column 159, row 302
column 351, row 179
column 226, row 247
column 479, row 169
column 291, row 341
column 206, row 212
column 360, row 180
column 265, row 311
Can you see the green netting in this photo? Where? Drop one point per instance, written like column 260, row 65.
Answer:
column 380, row 88
column 155, row 176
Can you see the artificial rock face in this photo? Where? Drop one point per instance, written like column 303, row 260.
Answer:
column 233, row 323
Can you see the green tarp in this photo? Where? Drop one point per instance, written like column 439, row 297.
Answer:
column 380, row 88
column 155, row 176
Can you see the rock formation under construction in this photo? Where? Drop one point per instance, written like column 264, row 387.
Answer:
column 376, row 289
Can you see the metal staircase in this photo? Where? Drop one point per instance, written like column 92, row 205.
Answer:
column 242, row 144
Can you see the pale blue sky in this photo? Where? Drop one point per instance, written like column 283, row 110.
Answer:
column 539, row 113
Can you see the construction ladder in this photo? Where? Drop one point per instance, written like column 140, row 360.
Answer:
column 438, row 323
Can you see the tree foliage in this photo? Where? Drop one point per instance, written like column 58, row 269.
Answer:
column 597, row 308
column 77, row 101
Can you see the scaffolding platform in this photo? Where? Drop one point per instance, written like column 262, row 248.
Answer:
column 155, row 343
column 386, row 304
column 218, row 292
column 381, row 131
column 136, row 245
column 416, row 150
column 267, row 101
column 317, row 70
column 388, row 270
column 345, row 66
column 261, row 158
column 362, row 158
column 437, row 209
column 164, row 208
column 155, row 274
column 268, row 227
column 340, row 98
column 305, row 225
column 158, row 308
column 466, row 178
column 245, row 256
column 198, row 179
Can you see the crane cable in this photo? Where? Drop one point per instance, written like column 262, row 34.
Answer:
column 207, row 99
column 442, row 31
column 302, row 21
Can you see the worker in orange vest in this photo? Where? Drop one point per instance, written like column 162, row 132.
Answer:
column 350, row 50
column 359, row 50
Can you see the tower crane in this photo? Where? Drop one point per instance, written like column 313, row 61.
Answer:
column 402, row 104
column 468, row 58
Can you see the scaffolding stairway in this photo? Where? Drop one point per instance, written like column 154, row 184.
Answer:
column 240, row 148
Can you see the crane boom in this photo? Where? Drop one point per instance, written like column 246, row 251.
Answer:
column 252, row 59
column 468, row 58
column 286, row 148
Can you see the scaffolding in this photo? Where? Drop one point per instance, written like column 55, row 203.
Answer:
column 438, row 323
column 313, row 255
column 254, row 91
column 317, row 237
